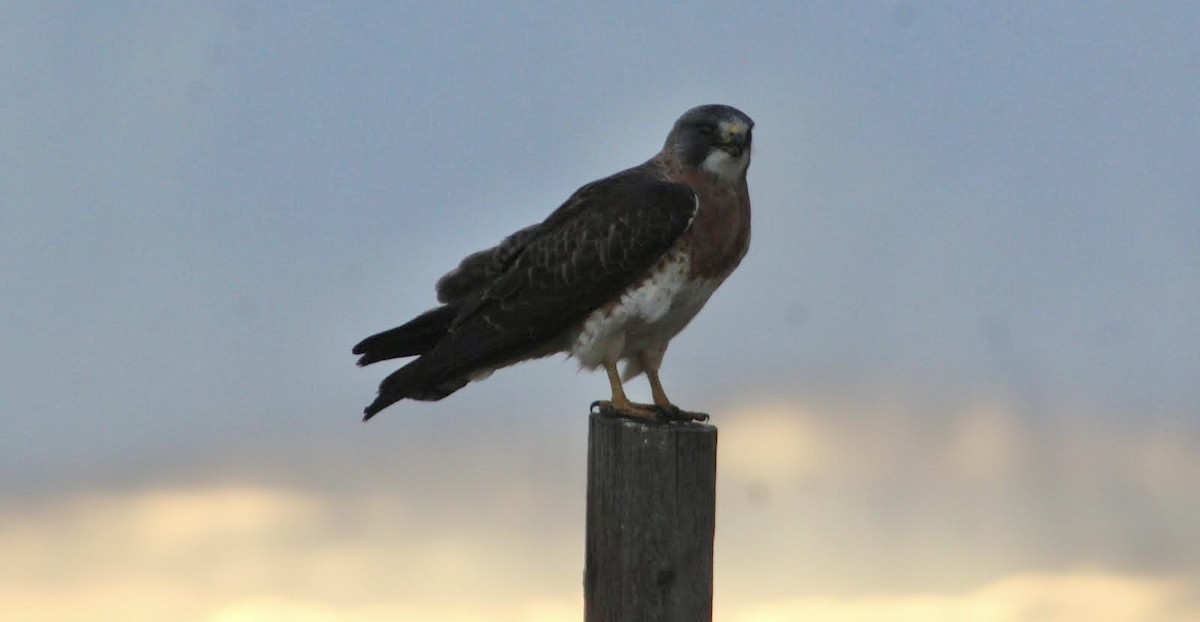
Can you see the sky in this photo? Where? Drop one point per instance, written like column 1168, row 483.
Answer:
column 955, row 377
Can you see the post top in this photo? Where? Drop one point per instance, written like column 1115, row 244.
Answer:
column 690, row 427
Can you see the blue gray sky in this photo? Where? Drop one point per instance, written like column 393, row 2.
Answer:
column 956, row 372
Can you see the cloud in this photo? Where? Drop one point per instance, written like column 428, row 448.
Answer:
column 777, row 441
column 271, row 609
column 794, row 439
column 821, row 493
column 829, row 509
column 244, row 553
column 818, row 498
column 258, row 555
column 1067, row 597
column 981, row 440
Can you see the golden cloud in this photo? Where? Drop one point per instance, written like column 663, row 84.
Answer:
column 263, row 555
column 860, row 514
column 1068, row 597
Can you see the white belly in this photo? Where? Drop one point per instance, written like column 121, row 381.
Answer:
column 645, row 317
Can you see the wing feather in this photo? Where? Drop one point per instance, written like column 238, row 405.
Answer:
column 545, row 279
column 479, row 269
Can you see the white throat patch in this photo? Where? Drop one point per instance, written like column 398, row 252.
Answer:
column 722, row 164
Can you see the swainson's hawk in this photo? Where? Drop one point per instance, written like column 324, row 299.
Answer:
column 612, row 275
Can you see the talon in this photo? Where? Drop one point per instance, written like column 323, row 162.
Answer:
column 609, row 409
column 673, row 413
column 667, row 413
column 637, row 412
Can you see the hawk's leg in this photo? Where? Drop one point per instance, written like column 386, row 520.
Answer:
column 664, row 407
column 620, row 406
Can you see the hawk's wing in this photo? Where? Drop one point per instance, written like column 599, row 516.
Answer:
column 478, row 270
column 547, row 278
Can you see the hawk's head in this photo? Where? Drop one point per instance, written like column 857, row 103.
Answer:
column 714, row 138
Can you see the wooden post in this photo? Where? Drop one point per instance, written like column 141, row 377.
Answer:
column 651, row 514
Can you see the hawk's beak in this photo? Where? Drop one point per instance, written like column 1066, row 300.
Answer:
column 735, row 139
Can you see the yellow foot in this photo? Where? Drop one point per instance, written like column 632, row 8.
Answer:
column 629, row 410
column 671, row 412
column 653, row 412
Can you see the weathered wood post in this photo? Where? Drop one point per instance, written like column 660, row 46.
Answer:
column 651, row 514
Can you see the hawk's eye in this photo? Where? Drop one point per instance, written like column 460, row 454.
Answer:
column 705, row 130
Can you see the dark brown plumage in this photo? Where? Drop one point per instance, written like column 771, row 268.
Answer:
column 532, row 294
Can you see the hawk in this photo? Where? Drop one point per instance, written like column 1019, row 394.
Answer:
column 611, row 276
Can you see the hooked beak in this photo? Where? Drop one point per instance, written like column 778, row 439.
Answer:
column 735, row 139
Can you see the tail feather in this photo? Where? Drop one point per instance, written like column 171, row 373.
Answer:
column 417, row 336
column 415, row 382
column 447, row 360
column 418, row 380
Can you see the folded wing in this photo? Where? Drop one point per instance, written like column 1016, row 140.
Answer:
column 516, row 301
